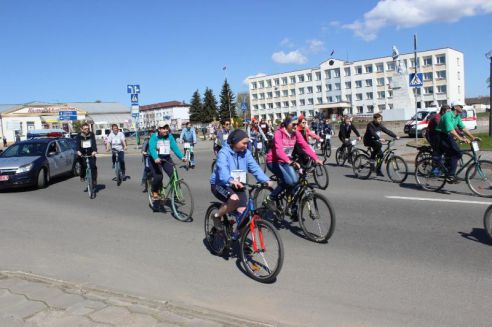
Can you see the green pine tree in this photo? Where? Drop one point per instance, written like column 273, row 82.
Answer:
column 196, row 108
column 209, row 111
column 227, row 103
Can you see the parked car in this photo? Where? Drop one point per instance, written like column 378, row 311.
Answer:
column 34, row 162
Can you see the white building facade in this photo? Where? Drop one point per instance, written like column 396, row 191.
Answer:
column 360, row 88
column 174, row 113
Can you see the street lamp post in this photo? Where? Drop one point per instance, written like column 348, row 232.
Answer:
column 488, row 55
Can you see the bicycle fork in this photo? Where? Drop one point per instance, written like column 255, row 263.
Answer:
column 253, row 236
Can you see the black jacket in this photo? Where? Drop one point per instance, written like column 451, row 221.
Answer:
column 373, row 132
column 87, row 151
column 345, row 131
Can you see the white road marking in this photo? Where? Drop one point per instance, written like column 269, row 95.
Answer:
column 436, row 200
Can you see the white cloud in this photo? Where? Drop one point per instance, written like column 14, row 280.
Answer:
column 286, row 42
column 411, row 13
column 315, row 46
column 246, row 82
column 292, row 57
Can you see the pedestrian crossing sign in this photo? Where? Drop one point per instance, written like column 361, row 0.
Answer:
column 415, row 80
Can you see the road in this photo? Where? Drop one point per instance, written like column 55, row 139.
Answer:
column 394, row 259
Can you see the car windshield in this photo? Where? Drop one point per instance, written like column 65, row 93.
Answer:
column 25, row 150
column 420, row 115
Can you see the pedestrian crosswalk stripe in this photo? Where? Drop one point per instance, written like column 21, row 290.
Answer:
column 436, row 200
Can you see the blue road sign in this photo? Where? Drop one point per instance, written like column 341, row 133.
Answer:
column 134, row 99
column 244, row 106
column 135, row 115
column 67, row 115
column 133, row 89
column 415, row 80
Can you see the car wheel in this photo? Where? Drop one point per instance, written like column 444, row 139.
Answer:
column 43, row 179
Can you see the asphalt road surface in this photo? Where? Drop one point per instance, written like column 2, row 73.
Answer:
column 399, row 256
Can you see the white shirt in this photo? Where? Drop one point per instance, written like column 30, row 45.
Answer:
column 116, row 140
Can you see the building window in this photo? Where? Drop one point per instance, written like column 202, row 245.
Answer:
column 416, row 91
column 292, row 79
column 336, row 73
column 369, row 96
column 338, row 86
column 360, row 109
column 284, row 80
column 293, row 103
column 427, row 61
column 262, row 96
column 302, row 102
column 309, row 77
column 358, row 84
column 285, row 93
column 412, row 63
column 338, row 98
column 381, row 107
column 368, row 69
column 441, row 74
column 253, row 85
column 310, row 90
column 255, row 96
column 428, row 90
column 276, row 82
column 459, row 76
column 348, row 85
column 320, row 100
column 285, row 104
column 441, row 59
column 358, row 70
column 329, row 87
column 328, row 73
column 368, row 82
column 270, row 106
column 277, row 94
column 292, row 92
column 348, row 98
column 390, row 94
column 458, row 62
column 358, row 96
column 269, row 95
column 441, row 89
column 379, row 68
column 330, row 99
column 318, row 88
column 441, row 103
column 380, row 81
column 269, row 83
column 300, row 78
column 263, row 106
column 390, row 79
column 262, row 84
column 390, row 106
column 390, row 66
column 310, row 101
column 459, row 89
column 255, row 107
column 381, row 95
column 427, row 76
column 301, row 90
column 318, row 76
column 347, row 71
column 277, row 104
column 370, row 109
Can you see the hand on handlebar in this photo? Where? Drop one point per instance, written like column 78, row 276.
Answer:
column 319, row 162
column 157, row 161
column 269, row 184
column 295, row 165
column 79, row 153
column 93, row 153
column 237, row 184
column 184, row 159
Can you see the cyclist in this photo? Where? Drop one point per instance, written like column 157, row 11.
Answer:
column 188, row 135
column 346, row 129
column 116, row 141
column 222, row 135
column 432, row 135
column 447, row 135
column 279, row 159
column 145, row 160
column 305, row 131
column 372, row 138
column 161, row 144
column 86, row 146
column 234, row 161
column 255, row 133
column 264, row 126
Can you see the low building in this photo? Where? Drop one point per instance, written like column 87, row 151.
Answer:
column 174, row 113
column 18, row 119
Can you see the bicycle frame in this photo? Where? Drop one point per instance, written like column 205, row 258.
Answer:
column 171, row 186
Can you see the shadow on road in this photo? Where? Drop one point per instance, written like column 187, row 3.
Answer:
column 477, row 235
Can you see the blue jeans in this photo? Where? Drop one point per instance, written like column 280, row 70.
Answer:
column 287, row 177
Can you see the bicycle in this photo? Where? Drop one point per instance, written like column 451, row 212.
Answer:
column 432, row 175
column 487, row 222
column 259, row 154
column 177, row 191
column 396, row 167
column 343, row 154
column 425, row 152
column 89, row 181
column 316, row 222
column 117, row 168
column 257, row 238
column 325, row 146
column 188, row 150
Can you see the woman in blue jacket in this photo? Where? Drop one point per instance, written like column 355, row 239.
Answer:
column 234, row 161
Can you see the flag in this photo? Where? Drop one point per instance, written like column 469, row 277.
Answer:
column 332, row 52
column 224, row 68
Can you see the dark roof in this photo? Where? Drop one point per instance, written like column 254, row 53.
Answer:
column 160, row 105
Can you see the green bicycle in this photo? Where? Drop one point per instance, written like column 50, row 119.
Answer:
column 176, row 191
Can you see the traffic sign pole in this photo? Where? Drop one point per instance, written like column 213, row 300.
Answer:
column 134, row 91
column 415, row 93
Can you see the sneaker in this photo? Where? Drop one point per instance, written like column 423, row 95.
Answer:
column 379, row 172
column 451, row 180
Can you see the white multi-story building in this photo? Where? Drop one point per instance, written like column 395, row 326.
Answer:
column 174, row 113
column 360, row 87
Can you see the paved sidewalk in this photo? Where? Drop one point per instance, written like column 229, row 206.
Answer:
column 30, row 300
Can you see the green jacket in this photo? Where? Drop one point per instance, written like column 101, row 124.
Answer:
column 153, row 146
column 449, row 122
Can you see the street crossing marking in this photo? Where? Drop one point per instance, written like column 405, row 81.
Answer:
column 436, row 200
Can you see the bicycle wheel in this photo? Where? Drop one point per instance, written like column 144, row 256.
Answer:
column 429, row 176
column 479, row 178
column 261, row 250
column 422, row 154
column 327, row 149
column 260, row 194
column 321, row 177
column 317, row 217
column 215, row 236
column 487, row 221
column 362, row 166
column 153, row 204
column 182, row 201
column 340, row 157
column 397, row 169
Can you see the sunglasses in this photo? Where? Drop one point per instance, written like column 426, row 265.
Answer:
column 227, row 124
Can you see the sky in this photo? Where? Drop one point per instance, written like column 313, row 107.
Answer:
column 76, row 51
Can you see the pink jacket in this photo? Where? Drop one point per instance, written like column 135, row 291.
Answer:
column 282, row 142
